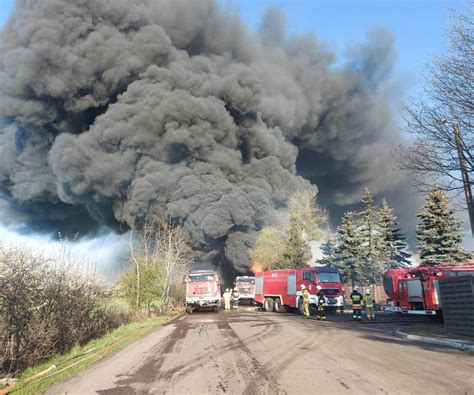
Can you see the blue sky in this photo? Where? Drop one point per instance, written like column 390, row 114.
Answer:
column 418, row 25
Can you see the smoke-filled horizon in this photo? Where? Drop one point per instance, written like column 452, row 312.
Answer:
column 119, row 112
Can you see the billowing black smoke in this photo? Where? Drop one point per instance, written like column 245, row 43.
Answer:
column 115, row 112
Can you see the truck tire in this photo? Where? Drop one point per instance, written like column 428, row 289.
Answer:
column 189, row 310
column 216, row 309
column 279, row 307
column 268, row 305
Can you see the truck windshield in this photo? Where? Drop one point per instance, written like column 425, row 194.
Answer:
column 388, row 285
column 245, row 281
column 328, row 277
column 199, row 278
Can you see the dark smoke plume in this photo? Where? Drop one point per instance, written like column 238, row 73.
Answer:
column 119, row 111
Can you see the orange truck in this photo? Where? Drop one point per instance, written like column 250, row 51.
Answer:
column 203, row 290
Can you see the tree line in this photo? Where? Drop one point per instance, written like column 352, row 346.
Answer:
column 365, row 244
column 369, row 242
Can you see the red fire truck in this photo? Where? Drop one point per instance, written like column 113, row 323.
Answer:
column 203, row 290
column 246, row 287
column 278, row 290
column 416, row 290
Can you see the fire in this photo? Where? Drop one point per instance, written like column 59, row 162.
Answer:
column 257, row 267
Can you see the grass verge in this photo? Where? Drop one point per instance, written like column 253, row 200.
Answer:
column 62, row 367
column 437, row 331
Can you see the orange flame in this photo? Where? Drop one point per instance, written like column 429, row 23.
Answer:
column 257, row 267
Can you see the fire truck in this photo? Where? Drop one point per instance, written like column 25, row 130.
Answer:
column 279, row 290
column 416, row 290
column 246, row 287
column 203, row 290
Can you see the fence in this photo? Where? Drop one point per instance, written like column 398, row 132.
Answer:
column 457, row 299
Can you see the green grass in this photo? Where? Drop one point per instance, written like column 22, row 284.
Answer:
column 80, row 358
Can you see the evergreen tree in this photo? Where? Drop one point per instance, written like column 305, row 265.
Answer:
column 393, row 245
column 439, row 231
column 297, row 252
column 348, row 250
column 371, row 241
column 327, row 249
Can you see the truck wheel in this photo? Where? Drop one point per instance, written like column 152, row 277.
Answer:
column 279, row 307
column 216, row 309
column 268, row 305
column 189, row 310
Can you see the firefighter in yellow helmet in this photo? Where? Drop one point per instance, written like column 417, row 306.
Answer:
column 305, row 300
column 369, row 303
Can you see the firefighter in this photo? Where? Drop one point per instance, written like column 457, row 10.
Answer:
column 356, row 298
column 369, row 302
column 321, row 301
column 227, row 296
column 235, row 298
column 305, row 300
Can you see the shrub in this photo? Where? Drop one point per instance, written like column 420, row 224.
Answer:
column 47, row 307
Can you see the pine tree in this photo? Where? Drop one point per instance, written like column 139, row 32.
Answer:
column 327, row 249
column 371, row 241
column 439, row 231
column 297, row 252
column 348, row 250
column 393, row 245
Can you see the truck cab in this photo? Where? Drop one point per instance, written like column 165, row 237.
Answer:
column 246, row 287
column 393, row 284
column 330, row 280
column 203, row 290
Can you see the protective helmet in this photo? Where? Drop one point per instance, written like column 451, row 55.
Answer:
column 227, row 289
column 367, row 291
column 318, row 287
column 302, row 286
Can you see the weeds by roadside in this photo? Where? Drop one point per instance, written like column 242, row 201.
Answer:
column 61, row 367
column 47, row 307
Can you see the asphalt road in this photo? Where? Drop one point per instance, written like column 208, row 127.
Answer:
column 251, row 352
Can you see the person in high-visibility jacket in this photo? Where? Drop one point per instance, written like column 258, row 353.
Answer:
column 227, row 297
column 305, row 300
column 321, row 301
column 356, row 298
column 369, row 303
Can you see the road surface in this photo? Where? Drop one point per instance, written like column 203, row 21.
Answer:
column 251, row 352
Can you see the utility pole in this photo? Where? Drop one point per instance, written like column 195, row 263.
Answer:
column 465, row 175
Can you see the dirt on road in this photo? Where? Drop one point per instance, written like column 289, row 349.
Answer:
column 252, row 352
